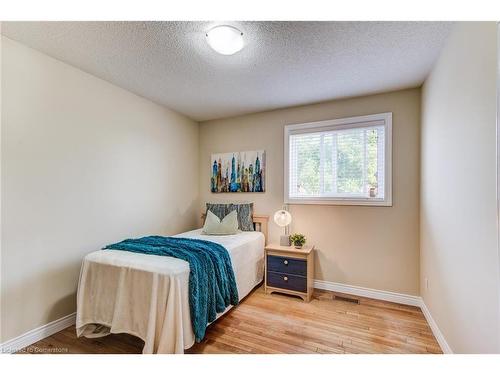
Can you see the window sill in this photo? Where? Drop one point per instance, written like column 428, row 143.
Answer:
column 340, row 202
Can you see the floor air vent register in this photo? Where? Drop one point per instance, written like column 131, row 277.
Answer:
column 346, row 299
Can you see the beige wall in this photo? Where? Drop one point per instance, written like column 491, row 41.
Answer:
column 459, row 254
column 84, row 163
column 374, row 247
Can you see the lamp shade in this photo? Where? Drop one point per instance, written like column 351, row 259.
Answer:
column 282, row 218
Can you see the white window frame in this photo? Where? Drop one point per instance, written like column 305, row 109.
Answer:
column 337, row 124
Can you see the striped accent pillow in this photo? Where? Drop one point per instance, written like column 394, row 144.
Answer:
column 244, row 211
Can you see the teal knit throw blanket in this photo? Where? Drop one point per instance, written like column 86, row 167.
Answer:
column 212, row 285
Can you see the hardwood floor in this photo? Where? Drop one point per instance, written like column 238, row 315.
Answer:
column 282, row 324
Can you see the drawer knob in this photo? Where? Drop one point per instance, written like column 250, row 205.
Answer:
column 285, row 278
column 285, row 261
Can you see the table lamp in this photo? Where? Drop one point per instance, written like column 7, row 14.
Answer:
column 283, row 219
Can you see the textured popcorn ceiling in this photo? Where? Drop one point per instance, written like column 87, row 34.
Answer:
column 282, row 64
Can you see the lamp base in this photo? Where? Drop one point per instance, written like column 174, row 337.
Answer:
column 285, row 240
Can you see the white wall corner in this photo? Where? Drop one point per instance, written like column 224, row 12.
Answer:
column 435, row 329
column 405, row 299
column 37, row 334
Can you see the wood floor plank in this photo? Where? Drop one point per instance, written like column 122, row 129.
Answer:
column 273, row 323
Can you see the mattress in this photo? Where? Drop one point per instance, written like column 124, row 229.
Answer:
column 147, row 295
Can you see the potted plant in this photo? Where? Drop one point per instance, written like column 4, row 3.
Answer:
column 297, row 240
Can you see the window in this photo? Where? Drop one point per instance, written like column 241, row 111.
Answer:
column 346, row 161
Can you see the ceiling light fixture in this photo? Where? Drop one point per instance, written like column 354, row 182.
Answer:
column 227, row 40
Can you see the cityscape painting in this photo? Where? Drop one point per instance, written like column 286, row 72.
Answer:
column 238, row 172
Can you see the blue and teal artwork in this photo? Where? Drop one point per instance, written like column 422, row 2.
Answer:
column 238, row 172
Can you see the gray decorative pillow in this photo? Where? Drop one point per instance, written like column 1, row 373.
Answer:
column 244, row 210
column 245, row 216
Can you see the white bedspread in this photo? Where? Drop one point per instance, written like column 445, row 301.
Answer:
column 147, row 295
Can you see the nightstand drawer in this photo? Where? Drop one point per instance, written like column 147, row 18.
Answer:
column 286, row 281
column 287, row 265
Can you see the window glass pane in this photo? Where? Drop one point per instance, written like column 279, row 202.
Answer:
column 343, row 163
column 328, row 167
column 350, row 162
column 372, row 139
column 308, row 162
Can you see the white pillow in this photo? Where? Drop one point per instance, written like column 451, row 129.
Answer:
column 228, row 225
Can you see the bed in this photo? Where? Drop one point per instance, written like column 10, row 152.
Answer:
column 147, row 295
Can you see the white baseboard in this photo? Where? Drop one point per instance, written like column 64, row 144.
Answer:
column 37, row 334
column 435, row 329
column 405, row 299
column 49, row 329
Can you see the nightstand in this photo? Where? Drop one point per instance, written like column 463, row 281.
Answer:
column 290, row 270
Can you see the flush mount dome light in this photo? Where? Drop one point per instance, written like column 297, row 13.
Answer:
column 227, row 40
